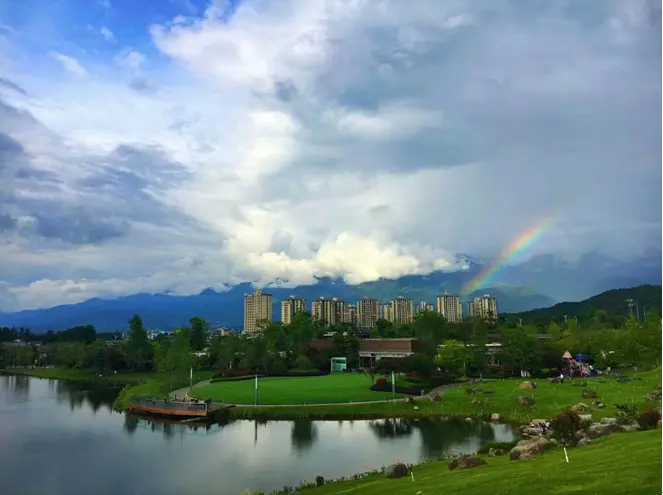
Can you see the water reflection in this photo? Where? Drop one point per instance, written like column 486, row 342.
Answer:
column 304, row 435
column 17, row 387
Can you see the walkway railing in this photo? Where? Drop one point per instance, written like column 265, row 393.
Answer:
column 169, row 405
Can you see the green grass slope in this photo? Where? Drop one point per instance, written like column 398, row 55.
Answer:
column 628, row 464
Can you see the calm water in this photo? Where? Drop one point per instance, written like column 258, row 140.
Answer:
column 57, row 438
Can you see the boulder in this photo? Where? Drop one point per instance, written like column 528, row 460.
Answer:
column 627, row 428
column 584, row 441
column 466, row 462
column 527, row 386
column 495, row 452
column 588, row 394
column 580, row 407
column 609, row 421
column 527, row 449
column 526, row 401
column 398, row 470
column 409, row 400
column 556, row 380
column 585, row 418
column 532, row 432
column 435, row 397
column 597, row 430
column 598, row 404
column 495, row 417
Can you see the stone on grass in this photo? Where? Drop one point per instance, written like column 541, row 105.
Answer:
column 598, row 404
column 495, row 452
column 585, row 418
column 398, row 470
column 609, row 421
column 465, row 462
column 526, row 401
column 580, row 407
column 409, row 400
column 556, row 380
column 588, row 394
column 597, row 430
column 527, row 386
column 527, row 449
column 628, row 428
column 435, row 397
column 584, row 441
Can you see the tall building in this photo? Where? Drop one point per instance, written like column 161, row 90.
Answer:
column 387, row 312
column 483, row 307
column 350, row 314
column 257, row 309
column 333, row 311
column 403, row 311
column 449, row 306
column 368, row 312
column 291, row 306
column 424, row 306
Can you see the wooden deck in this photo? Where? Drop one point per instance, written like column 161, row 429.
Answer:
column 172, row 408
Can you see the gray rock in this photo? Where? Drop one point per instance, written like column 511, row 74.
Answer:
column 609, row 421
column 627, row 428
column 527, row 386
column 495, row 417
column 466, row 462
column 398, row 470
column 495, row 452
column 580, row 407
column 527, row 449
column 589, row 394
column 584, row 441
column 526, row 401
column 598, row 404
column 585, row 417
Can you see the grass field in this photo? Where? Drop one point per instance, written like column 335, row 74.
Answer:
column 335, row 388
column 550, row 399
column 628, row 463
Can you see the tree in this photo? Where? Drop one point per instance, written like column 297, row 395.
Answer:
column 520, row 348
column 138, row 348
column 554, row 331
column 454, row 357
column 431, row 329
column 180, row 356
column 200, row 332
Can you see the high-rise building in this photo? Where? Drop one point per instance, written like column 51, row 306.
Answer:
column 449, row 306
column 291, row 306
column 403, row 311
column 350, row 314
column 333, row 311
column 483, row 307
column 424, row 306
column 257, row 309
column 368, row 312
column 387, row 311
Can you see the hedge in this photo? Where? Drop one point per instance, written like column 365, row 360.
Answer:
column 399, row 390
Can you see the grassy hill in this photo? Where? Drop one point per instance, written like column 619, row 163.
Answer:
column 613, row 302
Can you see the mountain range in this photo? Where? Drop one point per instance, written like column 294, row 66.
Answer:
column 540, row 282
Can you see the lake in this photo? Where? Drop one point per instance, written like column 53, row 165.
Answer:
column 57, row 438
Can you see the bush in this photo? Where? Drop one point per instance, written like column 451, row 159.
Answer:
column 303, row 363
column 505, row 446
column 565, row 426
column 648, row 420
column 319, row 480
column 627, row 415
column 381, row 381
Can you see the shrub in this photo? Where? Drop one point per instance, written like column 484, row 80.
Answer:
column 648, row 420
column 319, row 480
column 303, row 363
column 381, row 381
column 628, row 414
column 565, row 426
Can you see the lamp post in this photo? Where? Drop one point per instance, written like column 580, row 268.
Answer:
column 256, row 390
column 393, row 385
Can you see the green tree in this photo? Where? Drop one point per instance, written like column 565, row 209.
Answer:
column 200, row 332
column 138, row 347
column 454, row 357
column 520, row 348
column 554, row 331
column 431, row 329
column 181, row 356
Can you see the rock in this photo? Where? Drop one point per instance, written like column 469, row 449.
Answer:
column 398, row 470
column 627, row 428
column 466, row 462
column 409, row 400
column 579, row 384
column 436, row 397
column 597, row 430
column 609, row 421
column 495, row 417
column 495, row 452
column 468, row 420
column 556, row 380
column 588, row 394
column 598, row 404
column 476, row 401
column 527, row 386
column 532, row 432
column 526, row 401
column 580, row 407
column 527, row 449
column 585, row 418
column 584, row 441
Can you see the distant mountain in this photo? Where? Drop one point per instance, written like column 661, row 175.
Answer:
column 613, row 302
column 538, row 283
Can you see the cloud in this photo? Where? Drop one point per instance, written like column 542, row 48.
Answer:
column 107, row 34
column 288, row 140
column 69, row 64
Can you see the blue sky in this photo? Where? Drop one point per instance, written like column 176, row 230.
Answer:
column 181, row 145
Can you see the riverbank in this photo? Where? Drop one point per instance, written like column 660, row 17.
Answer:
column 627, row 463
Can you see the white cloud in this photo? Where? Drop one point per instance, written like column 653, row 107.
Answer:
column 70, row 64
column 107, row 34
column 364, row 140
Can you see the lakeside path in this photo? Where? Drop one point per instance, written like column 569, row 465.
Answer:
column 183, row 394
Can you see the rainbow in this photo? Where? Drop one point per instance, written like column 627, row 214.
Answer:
column 517, row 246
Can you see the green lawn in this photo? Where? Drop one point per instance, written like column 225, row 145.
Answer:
column 335, row 388
column 550, row 399
column 628, row 464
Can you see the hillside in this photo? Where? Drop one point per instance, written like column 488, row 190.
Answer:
column 613, row 302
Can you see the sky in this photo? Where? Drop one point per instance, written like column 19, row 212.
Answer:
column 184, row 144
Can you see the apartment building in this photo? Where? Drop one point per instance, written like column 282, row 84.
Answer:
column 403, row 311
column 387, row 312
column 257, row 309
column 333, row 311
column 424, row 306
column 291, row 306
column 449, row 306
column 483, row 307
column 368, row 312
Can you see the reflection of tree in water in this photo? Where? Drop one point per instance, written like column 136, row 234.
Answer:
column 439, row 437
column 391, row 428
column 130, row 423
column 76, row 394
column 304, row 434
column 18, row 386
